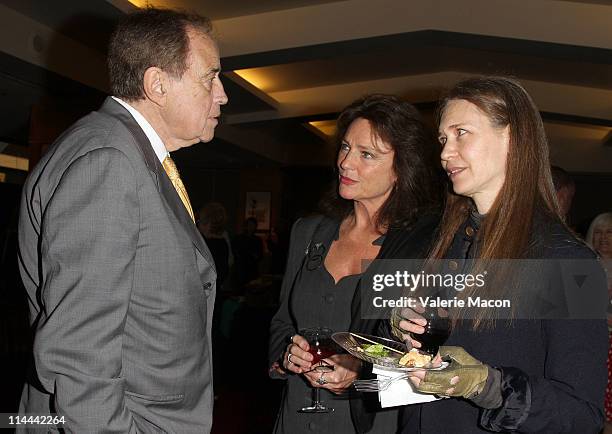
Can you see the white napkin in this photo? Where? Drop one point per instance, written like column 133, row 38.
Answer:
column 401, row 392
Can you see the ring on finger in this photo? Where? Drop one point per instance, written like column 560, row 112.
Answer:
column 289, row 358
column 321, row 380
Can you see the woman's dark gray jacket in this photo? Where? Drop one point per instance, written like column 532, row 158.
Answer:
column 408, row 241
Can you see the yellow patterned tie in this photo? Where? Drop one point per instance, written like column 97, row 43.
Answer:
column 174, row 176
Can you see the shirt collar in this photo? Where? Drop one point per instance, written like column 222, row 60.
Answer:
column 475, row 218
column 156, row 141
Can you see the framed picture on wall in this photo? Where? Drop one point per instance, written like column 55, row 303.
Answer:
column 258, row 206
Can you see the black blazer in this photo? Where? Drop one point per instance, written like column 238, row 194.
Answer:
column 407, row 242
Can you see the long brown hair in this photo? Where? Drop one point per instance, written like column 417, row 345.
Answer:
column 419, row 187
column 527, row 189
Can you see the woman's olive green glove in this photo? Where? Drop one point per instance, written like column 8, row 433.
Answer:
column 471, row 372
column 395, row 319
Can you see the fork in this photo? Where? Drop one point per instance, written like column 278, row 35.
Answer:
column 376, row 385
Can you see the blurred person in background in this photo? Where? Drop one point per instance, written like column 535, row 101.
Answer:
column 248, row 252
column 212, row 225
column 565, row 188
column 599, row 237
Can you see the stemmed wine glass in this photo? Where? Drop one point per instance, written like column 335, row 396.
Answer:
column 437, row 330
column 321, row 346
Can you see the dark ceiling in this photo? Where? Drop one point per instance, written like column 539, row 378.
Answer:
column 273, row 116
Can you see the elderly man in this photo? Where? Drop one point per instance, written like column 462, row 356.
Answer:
column 120, row 282
column 565, row 187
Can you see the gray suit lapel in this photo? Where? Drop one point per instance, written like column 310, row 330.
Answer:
column 164, row 185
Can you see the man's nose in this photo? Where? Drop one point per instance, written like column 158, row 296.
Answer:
column 220, row 96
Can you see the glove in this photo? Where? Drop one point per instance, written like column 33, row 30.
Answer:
column 471, row 372
column 395, row 320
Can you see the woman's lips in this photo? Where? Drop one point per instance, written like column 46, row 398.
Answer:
column 346, row 181
column 454, row 171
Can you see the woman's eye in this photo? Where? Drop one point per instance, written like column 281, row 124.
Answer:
column 460, row 132
column 366, row 154
column 442, row 140
column 344, row 147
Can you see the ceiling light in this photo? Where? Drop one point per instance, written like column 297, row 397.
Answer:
column 256, row 78
column 326, row 128
column 13, row 162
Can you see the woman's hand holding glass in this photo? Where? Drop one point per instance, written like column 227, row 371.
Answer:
column 428, row 327
column 344, row 368
column 297, row 359
column 464, row 377
column 345, row 371
column 405, row 321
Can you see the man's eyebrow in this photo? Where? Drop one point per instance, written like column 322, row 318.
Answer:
column 211, row 72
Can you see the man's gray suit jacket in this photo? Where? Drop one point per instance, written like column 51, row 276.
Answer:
column 121, row 286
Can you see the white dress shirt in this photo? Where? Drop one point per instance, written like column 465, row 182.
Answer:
column 156, row 141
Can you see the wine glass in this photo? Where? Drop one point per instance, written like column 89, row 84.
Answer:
column 321, row 346
column 437, row 330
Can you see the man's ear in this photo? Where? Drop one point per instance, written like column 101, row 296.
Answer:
column 155, row 85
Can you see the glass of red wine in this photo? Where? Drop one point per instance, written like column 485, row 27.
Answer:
column 437, row 330
column 321, row 346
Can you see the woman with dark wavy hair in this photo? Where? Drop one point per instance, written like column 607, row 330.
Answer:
column 383, row 206
column 508, row 373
